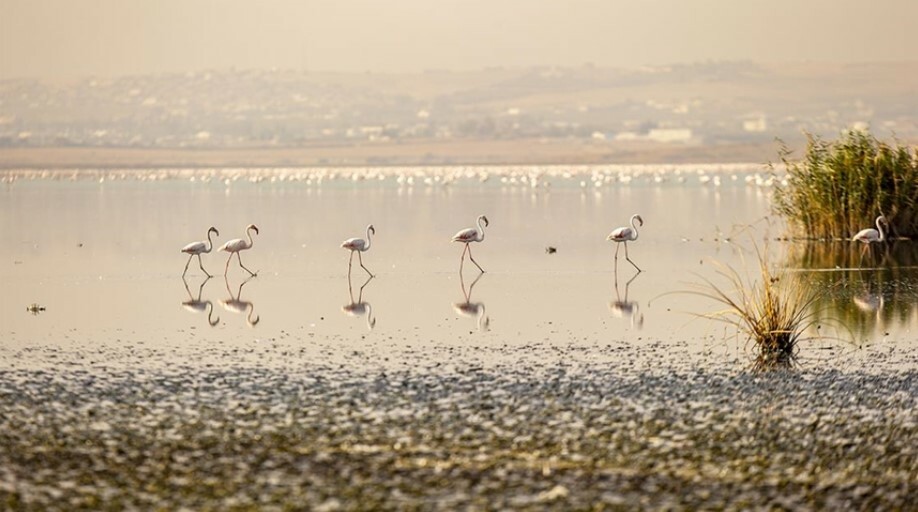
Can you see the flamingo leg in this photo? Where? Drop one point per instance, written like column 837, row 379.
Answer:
column 473, row 259
column 617, row 247
column 350, row 263
column 462, row 258
column 629, row 259
column 201, row 264
column 226, row 269
column 186, row 264
column 243, row 266
column 360, row 258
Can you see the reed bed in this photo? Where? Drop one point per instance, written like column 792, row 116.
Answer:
column 840, row 187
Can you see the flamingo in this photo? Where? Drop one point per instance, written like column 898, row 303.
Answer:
column 624, row 235
column 196, row 305
column 468, row 236
column 360, row 307
column 197, row 249
column 871, row 235
column 472, row 309
column 358, row 245
column 236, row 245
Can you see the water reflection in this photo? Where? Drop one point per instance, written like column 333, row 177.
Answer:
column 472, row 309
column 359, row 307
column 624, row 308
column 235, row 304
column 196, row 305
column 868, row 291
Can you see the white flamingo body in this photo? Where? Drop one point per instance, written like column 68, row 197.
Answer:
column 871, row 235
column 358, row 245
column 468, row 236
column 237, row 245
column 197, row 249
column 625, row 234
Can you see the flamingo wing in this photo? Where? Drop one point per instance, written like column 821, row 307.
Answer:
column 867, row 235
column 234, row 245
column 354, row 244
column 620, row 234
column 195, row 248
column 466, row 235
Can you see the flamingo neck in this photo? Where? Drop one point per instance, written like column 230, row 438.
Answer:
column 210, row 243
column 634, row 228
column 880, row 229
column 368, row 239
column 480, row 230
column 248, row 233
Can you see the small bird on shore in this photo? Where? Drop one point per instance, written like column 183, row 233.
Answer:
column 197, row 249
column 625, row 235
column 468, row 236
column 236, row 245
column 870, row 235
column 358, row 245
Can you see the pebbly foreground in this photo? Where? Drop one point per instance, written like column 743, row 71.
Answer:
column 533, row 427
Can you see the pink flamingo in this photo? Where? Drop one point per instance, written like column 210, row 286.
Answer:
column 468, row 236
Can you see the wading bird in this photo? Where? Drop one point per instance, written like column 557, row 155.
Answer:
column 871, row 235
column 197, row 249
column 468, row 236
column 625, row 235
column 236, row 245
column 358, row 245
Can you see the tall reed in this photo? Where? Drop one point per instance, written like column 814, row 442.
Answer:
column 840, row 187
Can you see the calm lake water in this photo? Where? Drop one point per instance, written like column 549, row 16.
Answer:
column 100, row 251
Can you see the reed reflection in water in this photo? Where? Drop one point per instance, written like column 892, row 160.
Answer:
column 869, row 291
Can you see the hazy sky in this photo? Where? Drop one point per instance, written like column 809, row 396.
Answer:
column 66, row 38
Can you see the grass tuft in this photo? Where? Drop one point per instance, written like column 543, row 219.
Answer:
column 840, row 187
column 773, row 313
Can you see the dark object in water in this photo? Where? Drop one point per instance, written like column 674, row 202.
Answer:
column 551, row 250
column 34, row 308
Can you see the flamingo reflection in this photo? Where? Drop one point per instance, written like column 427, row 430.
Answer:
column 359, row 307
column 870, row 302
column 235, row 304
column 472, row 309
column 196, row 305
column 624, row 308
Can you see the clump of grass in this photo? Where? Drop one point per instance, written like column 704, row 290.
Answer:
column 772, row 312
column 840, row 187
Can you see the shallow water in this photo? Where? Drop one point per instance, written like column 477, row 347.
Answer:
column 101, row 254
